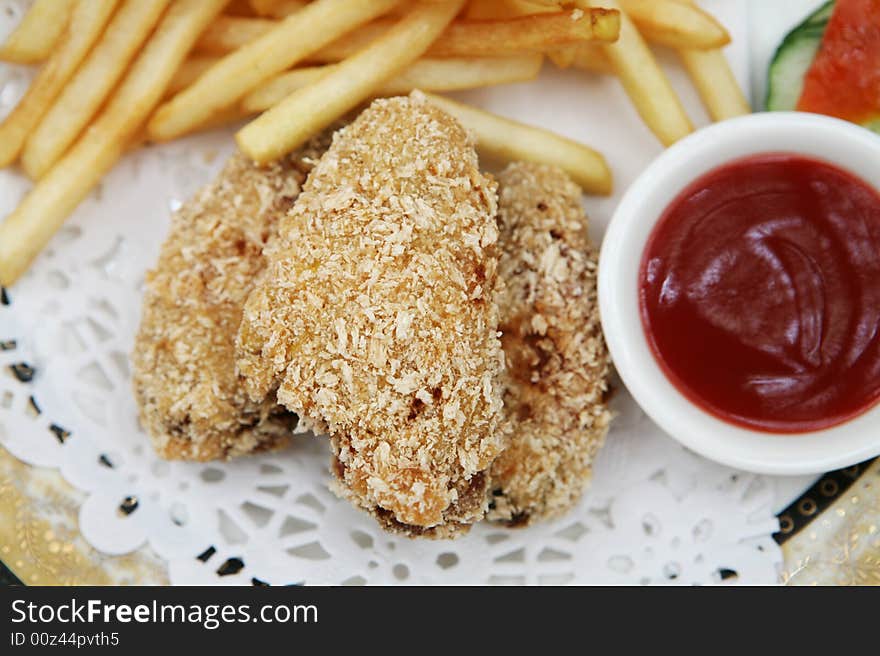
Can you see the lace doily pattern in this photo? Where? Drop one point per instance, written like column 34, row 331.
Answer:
column 654, row 513
column 40, row 510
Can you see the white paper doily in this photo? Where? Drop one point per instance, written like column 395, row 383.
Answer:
column 654, row 514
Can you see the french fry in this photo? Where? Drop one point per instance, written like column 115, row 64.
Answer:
column 271, row 93
column 715, row 82
column 666, row 22
column 37, row 33
column 562, row 57
column 91, row 85
column 229, row 33
column 494, row 9
column 537, row 33
column 352, row 43
column 26, row 231
column 264, row 7
column 188, row 73
column 495, row 38
column 454, row 74
column 645, row 82
column 277, row 8
column 675, row 24
column 586, row 57
column 486, row 10
column 508, row 140
column 294, row 38
column 425, row 74
column 222, row 119
column 306, row 111
column 86, row 24
column 592, row 58
column 240, row 8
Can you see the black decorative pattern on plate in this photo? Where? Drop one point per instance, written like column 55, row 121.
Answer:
column 129, row 505
column 34, row 405
column 23, row 371
column 816, row 500
column 61, row 434
column 231, row 566
column 206, row 554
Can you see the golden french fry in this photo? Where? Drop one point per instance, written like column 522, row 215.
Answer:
column 26, row 231
column 271, row 93
column 645, row 82
column 354, row 42
column 264, row 7
column 537, row 33
column 222, row 119
column 486, row 10
column 277, row 8
column 586, row 57
column 508, row 140
column 562, row 57
column 240, row 8
column 86, row 24
column 592, row 58
column 494, row 9
column 87, row 90
column 225, row 83
column 37, row 33
column 676, row 24
column 291, row 122
column 426, row 74
column 229, row 33
column 453, row 74
column 715, row 82
column 188, row 73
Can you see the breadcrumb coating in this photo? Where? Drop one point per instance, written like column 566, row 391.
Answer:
column 377, row 316
column 189, row 396
column 557, row 363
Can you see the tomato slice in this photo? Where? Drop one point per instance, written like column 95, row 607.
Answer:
column 844, row 80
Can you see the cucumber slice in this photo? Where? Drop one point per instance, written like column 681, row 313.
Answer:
column 793, row 59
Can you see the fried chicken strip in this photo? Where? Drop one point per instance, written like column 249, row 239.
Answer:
column 377, row 317
column 185, row 384
column 557, row 362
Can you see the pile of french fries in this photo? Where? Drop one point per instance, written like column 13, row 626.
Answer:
column 116, row 73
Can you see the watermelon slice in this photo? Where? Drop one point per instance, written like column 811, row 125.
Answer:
column 844, row 79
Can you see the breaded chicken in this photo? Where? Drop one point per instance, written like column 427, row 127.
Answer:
column 377, row 317
column 189, row 396
column 557, row 363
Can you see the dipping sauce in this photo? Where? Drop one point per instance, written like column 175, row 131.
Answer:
column 760, row 293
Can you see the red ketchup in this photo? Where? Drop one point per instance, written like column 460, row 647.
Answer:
column 760, row 293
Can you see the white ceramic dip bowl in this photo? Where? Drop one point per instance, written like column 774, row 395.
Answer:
column 847, row 146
